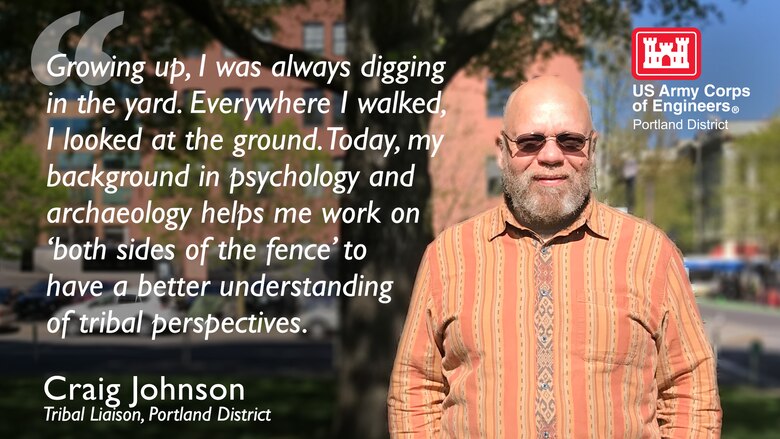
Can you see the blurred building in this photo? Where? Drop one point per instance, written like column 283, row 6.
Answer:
column 725, row 218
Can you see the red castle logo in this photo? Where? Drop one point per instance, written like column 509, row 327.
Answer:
column 666, row 53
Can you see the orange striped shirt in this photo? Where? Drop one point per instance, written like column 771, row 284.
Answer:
column 593, row 334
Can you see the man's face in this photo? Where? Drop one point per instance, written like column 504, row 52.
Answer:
column 546, row 188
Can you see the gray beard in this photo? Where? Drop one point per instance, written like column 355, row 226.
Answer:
column 546, row 210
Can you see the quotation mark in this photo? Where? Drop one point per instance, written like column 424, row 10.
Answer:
column 48, row 63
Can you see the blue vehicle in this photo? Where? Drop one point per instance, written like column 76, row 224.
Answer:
column 35, row 304
column 707, row 273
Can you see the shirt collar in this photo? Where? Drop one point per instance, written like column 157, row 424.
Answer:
column 592, row 218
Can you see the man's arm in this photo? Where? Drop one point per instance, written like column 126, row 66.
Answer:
column 688, row 403
column 417, row 386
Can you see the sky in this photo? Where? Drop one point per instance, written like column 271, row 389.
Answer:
column 742, row 49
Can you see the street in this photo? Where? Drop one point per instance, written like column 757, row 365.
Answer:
column 247, row 354
column 746, row 338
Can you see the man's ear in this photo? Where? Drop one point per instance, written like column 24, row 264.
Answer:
column 594, row 140
column 500, row 152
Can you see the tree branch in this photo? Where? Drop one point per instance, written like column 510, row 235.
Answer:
column 484, row 14
column 231, row 33
column 476, row 27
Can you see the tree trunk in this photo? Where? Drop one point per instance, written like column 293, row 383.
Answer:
column 369, row 329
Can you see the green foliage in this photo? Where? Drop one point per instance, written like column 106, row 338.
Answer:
column 750, row 413
column 759, row 179
column 24, row 197
column 665, row 197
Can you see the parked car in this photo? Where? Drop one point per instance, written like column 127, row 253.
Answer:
column 706, row 273
column 36, row 304
column 277, row 306
column 6, row 295
column 122, row 307
column 211, row 302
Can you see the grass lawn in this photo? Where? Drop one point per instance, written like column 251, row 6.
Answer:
column 750, row 413
column 300, row 408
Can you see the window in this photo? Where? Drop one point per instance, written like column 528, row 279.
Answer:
column 73, row 234
column 335, row 109
column 496, row 98
column 70, row 90
column 233, row 94
column 314, row 37
column 231, row 165
column 193, row 188
column 126, row 90
column 263, row 94
column 75, row 160
column 80, row 195
column 83, row 234
column 339, row 39
column 186, row 98
column 312, row 191
column 313, row 118
column 163, row 190
column 264, row 166
column 127, row 160
column 76, row 125
column 114, row 234
column 60, row 232
column 120, row 197
column 193, row 52
column 338, row 164
column 493, row 174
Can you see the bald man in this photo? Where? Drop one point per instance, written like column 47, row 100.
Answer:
column 552, row 315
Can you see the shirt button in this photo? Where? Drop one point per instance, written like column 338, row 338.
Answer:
column 544, row 339
column 546, row 434
column 545, row 250
column 544, row 292
column 545, row 386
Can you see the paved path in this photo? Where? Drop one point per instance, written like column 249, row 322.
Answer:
column 222, row 354
column 734, row 328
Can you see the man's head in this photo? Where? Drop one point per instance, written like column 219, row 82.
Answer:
column 548, row 186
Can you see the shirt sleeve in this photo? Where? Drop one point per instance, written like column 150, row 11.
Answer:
column 417, row 385
column 688, row 403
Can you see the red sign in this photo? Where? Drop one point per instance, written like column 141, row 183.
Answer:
column 666, row 53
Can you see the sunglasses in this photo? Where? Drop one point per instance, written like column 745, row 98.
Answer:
column 533, row 142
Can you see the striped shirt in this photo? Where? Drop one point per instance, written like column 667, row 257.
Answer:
column 594, row 334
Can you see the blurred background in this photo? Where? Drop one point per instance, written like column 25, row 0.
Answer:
column 715, row 193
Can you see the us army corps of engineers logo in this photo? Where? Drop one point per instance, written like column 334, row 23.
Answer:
column 666, row 53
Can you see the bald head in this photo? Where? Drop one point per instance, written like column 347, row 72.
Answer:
column 546, row 187
column 546, row 92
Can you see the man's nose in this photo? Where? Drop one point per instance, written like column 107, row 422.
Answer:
column 550, row 153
